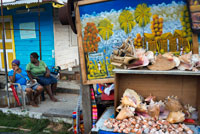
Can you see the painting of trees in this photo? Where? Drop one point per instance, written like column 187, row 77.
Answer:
column 126, row 21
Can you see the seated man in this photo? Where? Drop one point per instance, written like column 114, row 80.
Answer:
column 18, row 75
column 39, row 70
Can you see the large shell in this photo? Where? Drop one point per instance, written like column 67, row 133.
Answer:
column 126, row 112
column 176, row 117
column 142, row 108
column 172, row 104
column 162, row 64
column 154, row 110
column 130, row 98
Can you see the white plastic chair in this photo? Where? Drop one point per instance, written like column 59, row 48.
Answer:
column 22, row 93
column 19, row 92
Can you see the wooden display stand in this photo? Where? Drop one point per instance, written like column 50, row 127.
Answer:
column 184, row 84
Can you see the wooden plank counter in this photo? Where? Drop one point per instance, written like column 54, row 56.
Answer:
column 184, row 84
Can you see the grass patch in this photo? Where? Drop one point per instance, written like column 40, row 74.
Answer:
column 35, row 125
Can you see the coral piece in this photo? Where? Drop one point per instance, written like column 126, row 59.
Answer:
column 172, row 104
column 162, row 64
column 176, row 117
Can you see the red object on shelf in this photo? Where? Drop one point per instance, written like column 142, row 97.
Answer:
column 106, row 97
column 189, row 121
column 15, row 95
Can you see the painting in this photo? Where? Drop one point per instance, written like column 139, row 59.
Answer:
column 156, row 25
column 194, row 6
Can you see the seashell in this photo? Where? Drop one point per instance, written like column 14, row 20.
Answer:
column 116, row 129
column 130, row 98
column 154, row 110
column 126, row 112
column 188, row 110
column 139, row 131
column 190, row 132
column 146, row 130
column 126, row 130
column 142, row 108
column 150, row 123
column 149, row 98
column 133, row 122
column 173, row 104
column 137, row 125
column 176, row 117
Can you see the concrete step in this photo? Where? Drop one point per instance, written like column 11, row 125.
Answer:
column 72, row 87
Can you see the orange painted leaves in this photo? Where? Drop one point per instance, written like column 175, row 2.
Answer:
column 90, row 38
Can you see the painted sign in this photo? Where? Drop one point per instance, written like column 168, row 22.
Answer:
column 156, row 25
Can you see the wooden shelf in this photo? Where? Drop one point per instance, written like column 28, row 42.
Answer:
column 171, row 72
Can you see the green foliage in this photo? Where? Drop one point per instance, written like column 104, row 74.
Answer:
column 126, row 21
column 142, row 14
column 105, row 29
column 35, row 125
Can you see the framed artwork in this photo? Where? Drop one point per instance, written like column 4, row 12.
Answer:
column 103, row 25
column 194, row 6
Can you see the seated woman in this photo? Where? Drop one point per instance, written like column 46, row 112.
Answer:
column 39, row 70
column 18, row 75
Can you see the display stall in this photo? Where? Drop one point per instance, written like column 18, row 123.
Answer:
column 148, row 50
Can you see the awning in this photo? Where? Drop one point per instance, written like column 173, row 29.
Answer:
column 10, row 4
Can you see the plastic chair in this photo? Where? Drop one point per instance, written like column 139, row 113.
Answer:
column 11, row 88
column 20, row 92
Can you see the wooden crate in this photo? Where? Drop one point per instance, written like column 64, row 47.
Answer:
column 184, row 84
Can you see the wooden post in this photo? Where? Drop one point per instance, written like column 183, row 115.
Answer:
column 195, row 48
column 87, row 108
column 85, row 89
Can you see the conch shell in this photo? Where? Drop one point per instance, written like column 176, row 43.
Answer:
column 150, row 97
column 186, row 58
column 188, row 110
column 154, row 110
column 130, row 98
column 126, row 112
column 176, row 117
column 172, row 104
column 142, row 108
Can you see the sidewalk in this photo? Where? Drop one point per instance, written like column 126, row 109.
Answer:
column 54, row 111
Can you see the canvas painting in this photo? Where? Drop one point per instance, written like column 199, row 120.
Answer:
column 194, row 6
column 156, row 25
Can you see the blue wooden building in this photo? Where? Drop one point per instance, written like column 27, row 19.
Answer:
column 21, row 15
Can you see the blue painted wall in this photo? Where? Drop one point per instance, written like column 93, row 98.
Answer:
column 23, row 47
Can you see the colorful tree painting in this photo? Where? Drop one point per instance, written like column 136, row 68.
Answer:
column 105, row 29
column 157, row 26
column 90, row 39
column 142, row 14
column 185, row 22
column 126, row 21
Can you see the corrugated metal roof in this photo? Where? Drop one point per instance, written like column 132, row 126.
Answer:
column 21, row 2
